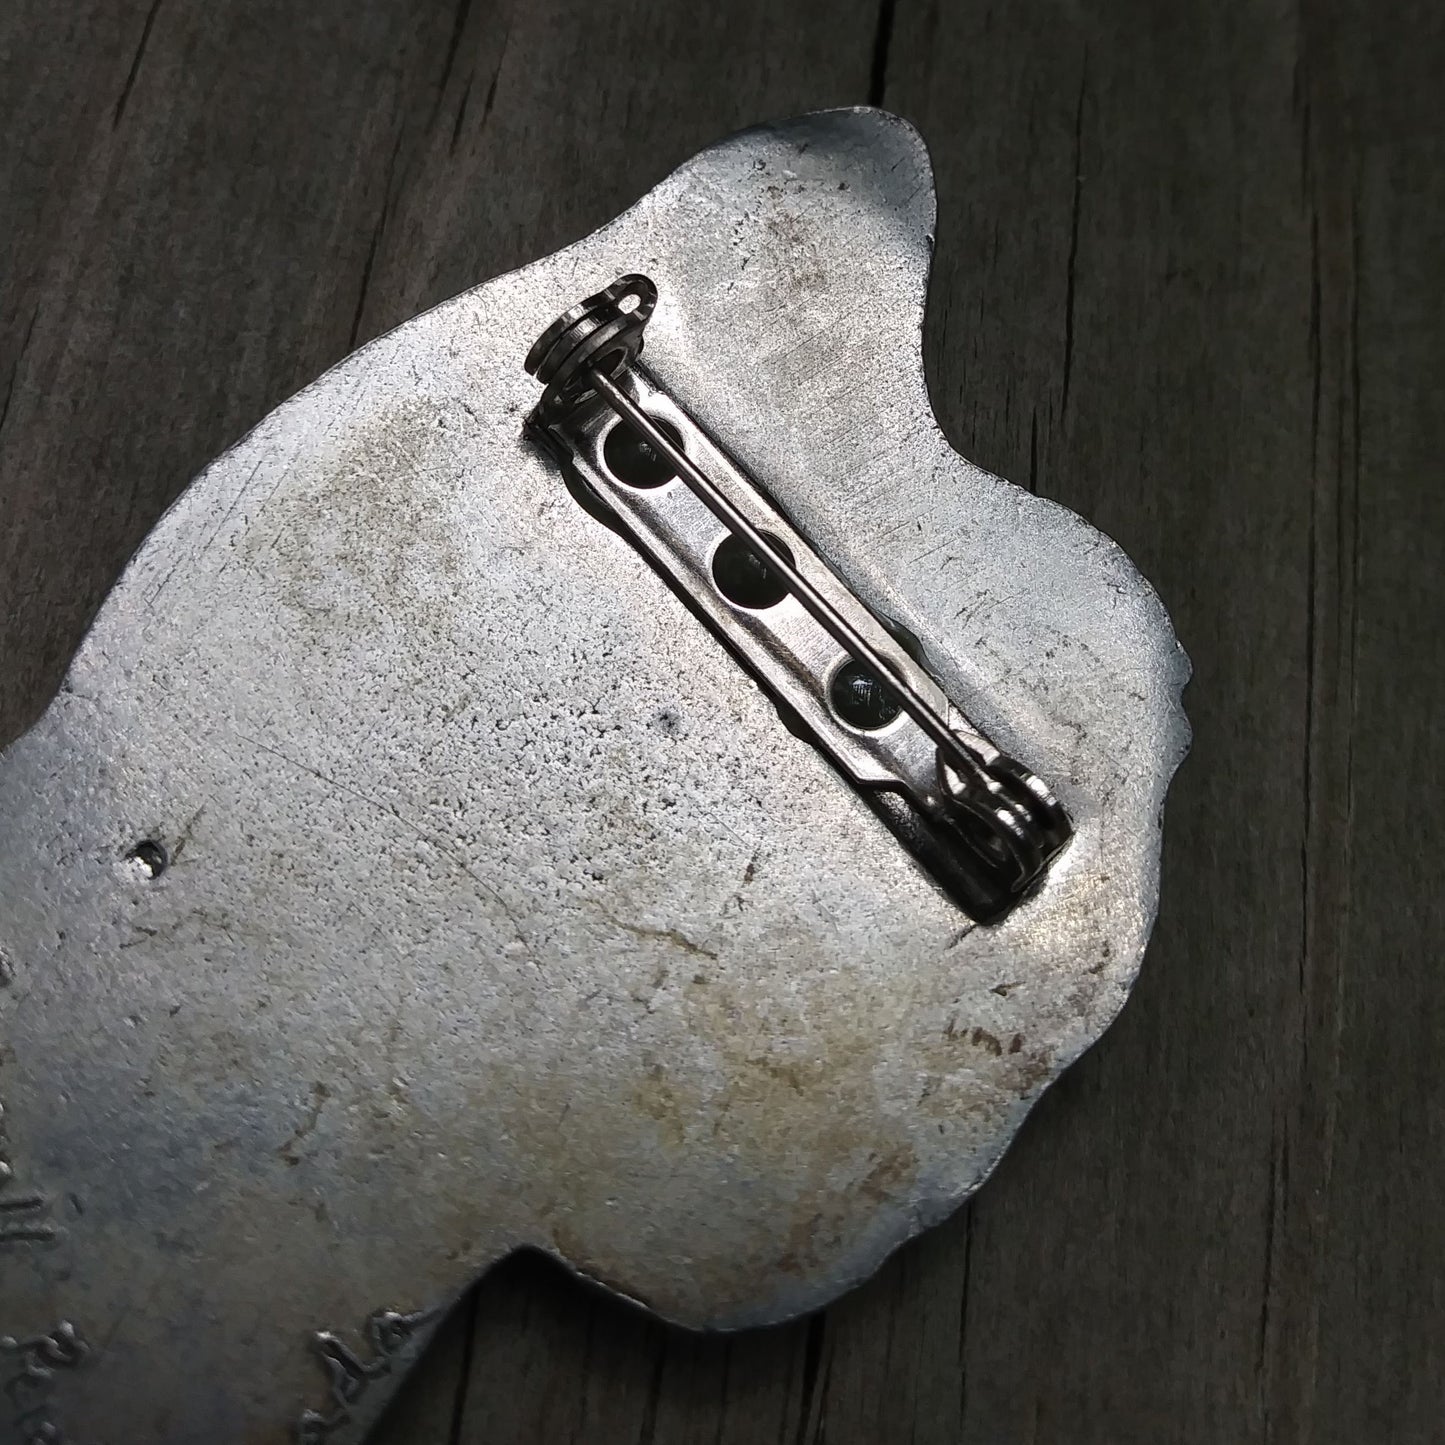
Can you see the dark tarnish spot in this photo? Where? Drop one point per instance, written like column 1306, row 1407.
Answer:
column 983, row 1039
column 737, row 902
column 1033, row 1071
column 801, row 1253
column 319, row 1095
column 665, row 1100
column 663, row 935
column 785, row 1073
column 1016, row 1043
column 885, row 1180
column 804, row 273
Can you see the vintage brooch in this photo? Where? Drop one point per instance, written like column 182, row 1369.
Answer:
column 659, row 805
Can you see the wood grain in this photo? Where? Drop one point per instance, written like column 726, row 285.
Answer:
column 1187, row 283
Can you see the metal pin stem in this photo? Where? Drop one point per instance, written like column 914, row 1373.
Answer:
column 816, row 604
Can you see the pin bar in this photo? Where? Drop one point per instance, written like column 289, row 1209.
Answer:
column 964, row 792
column 822, row 611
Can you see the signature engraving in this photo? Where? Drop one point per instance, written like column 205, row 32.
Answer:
column 349, row 1376
column 24, row 1217
column 38, row 1358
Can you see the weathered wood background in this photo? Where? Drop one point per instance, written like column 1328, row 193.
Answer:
column 1188, row 282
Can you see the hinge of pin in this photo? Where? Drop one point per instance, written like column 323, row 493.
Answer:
column 984, row 826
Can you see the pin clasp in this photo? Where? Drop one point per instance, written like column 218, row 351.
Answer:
column 984, row 825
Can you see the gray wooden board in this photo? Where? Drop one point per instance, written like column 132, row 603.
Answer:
column 1187, row 283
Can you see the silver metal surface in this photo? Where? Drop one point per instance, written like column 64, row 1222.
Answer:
column 482, row 902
